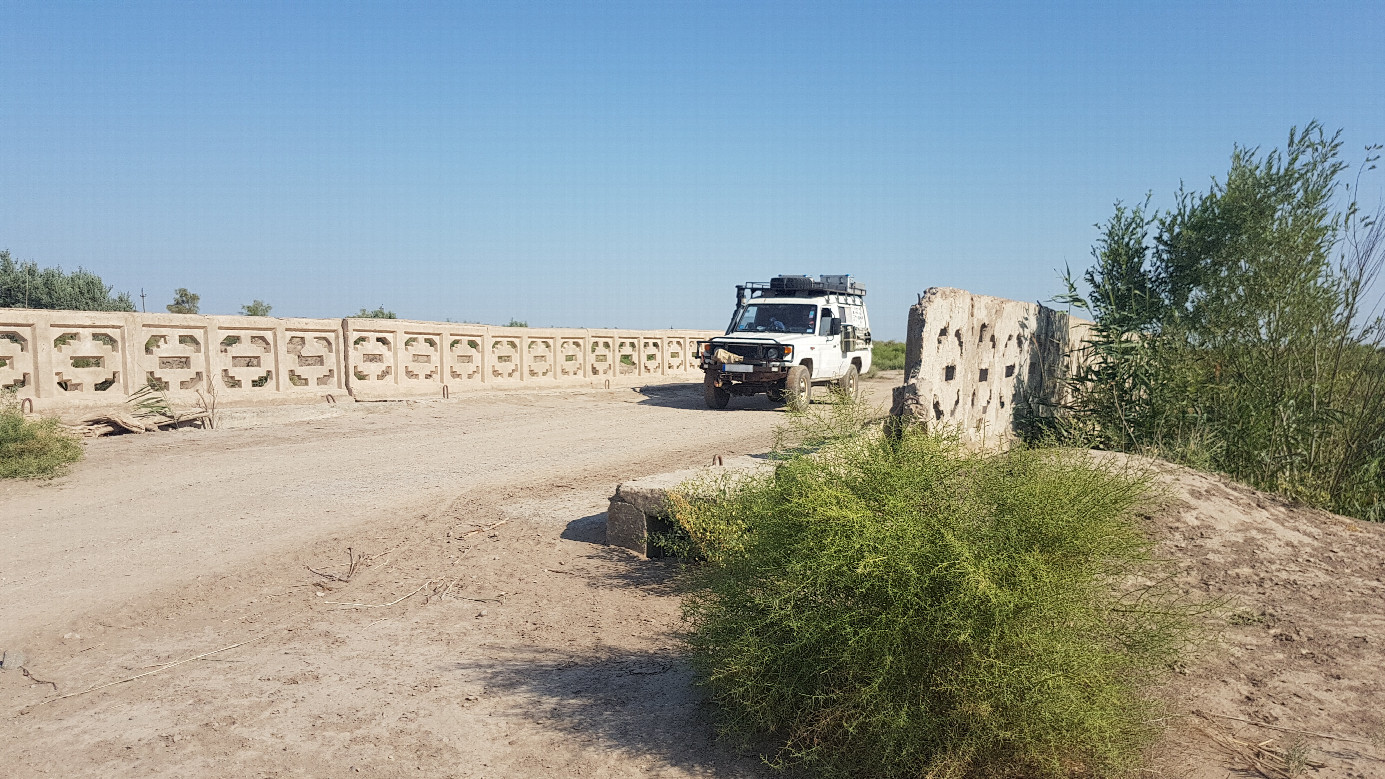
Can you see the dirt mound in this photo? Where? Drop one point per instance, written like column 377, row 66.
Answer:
column 1295, row 683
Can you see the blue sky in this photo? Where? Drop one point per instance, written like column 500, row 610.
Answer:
column 626, row 164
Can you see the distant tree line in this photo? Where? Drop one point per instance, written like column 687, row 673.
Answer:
column 26, row 285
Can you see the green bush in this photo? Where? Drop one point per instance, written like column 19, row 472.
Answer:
column 1236, row 331
column 904, row 608
column 32, row 448
column 887, row 355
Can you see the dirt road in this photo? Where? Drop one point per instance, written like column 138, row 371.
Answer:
column 487, row 631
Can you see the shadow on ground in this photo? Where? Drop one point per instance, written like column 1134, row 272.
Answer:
column 656, row 576
column 590, row 529
column 643, row 704
column 689, row 396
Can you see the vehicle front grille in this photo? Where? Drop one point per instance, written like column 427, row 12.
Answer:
column 748, row 351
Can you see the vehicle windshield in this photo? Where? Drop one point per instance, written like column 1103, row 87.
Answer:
column 775, row 318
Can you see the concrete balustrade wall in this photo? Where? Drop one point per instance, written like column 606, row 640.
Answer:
column 68, row 359
column 985, row 367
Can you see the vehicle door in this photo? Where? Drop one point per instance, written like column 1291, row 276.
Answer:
column 828, row 363
column 854, row 315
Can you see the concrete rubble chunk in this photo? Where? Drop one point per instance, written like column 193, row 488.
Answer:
column 986, row 367
column 13, row 660
column 639, row 506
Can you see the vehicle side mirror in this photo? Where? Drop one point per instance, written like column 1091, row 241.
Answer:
column 836, row 327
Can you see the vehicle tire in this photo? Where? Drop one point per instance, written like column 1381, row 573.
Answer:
column 850, row 383
column 798, row 388
column 716, row 397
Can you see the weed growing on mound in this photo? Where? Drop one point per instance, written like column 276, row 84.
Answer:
column 32, row 448
column 904, row 608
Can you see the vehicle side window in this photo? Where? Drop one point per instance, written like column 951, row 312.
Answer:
column 825, row 322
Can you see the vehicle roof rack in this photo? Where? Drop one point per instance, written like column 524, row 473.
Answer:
column 805, row 286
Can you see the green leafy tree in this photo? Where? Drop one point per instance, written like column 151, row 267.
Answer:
column 25, row 285
column 1234, row 337
column 255, row 308
column 184, row 302
column 517, row 323
column 379, row 313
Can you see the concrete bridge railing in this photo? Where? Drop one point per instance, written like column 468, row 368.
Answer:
column 67, row 359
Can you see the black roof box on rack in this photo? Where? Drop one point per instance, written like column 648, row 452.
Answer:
column 793, row 283
column 789, row 285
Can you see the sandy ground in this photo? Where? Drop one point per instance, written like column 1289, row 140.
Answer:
column 1296, row 679
column 527, row 647
column 487, row 631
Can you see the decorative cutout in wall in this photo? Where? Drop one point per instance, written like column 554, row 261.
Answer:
column 247, row 360
column 465, row 356
column 87, row 360
column 311, row 359
column 603, row 358
column 539, row 358
column 17, row 364
column 628, row 363
column 173, row 358
column 570, row 353
column 372, row 356
column 422, row 357
column 676, row 357
column 504, row 359
column 653, row 356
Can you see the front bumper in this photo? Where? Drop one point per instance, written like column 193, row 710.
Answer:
column 756, row 359
column 746, row 369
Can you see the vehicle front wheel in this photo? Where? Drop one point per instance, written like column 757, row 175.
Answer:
column 716, row 397
column 798, row 388
column 850, row 384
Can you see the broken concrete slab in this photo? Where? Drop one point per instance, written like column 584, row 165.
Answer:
column 986, row 367
column 640, row 506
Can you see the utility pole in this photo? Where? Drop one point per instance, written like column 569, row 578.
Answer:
column 142, row 309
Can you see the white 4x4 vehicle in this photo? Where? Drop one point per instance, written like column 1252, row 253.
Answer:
column 786, row 336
